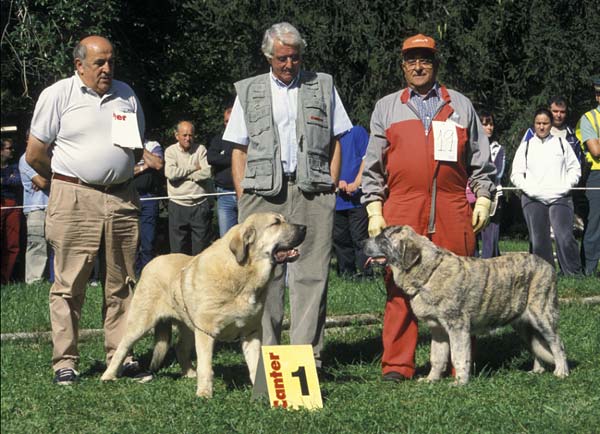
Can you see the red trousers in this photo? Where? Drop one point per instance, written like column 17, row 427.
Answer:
column 400, row 332
column 10, row 237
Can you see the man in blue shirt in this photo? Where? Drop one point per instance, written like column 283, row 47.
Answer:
column 351, row 221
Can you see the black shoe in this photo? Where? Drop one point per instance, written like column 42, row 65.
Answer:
column 394, row 376
column 134, row 370
column 65, row 376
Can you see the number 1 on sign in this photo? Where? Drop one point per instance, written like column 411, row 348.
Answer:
column 290, row 375
column 301, row 374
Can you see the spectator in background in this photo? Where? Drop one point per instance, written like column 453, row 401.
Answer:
column 559, row 109
column 148, row 181
column 10, row 228
column 490, row 235
column 544, row 169
column 188, row 180
column 35, row 200
column 426, row 141
column 351, row 221
column 219, row 158
column 588, row 129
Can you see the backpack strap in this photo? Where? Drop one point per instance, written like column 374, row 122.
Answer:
column 561, row 145
column 526, row 152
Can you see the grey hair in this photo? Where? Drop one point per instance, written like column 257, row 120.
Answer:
column 80, row 51
column 286, row 34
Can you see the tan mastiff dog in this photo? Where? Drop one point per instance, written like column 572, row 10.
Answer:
column 216, row 295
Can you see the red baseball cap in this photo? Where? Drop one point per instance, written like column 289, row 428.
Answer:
column 419, row 41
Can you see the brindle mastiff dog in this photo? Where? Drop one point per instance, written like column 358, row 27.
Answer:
column 458, row 296
column 216, row 295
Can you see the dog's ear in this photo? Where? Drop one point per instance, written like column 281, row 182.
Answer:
column 240, row 243
column 410, row 253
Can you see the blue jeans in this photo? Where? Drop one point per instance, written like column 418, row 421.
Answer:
column 148, row 218
column 227, row 210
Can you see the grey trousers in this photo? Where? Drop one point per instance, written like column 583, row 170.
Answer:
column 559, row 214
column 36, row 254
column 307, row 277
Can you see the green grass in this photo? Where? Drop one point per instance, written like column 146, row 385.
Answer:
column 501, row 398
column 513, row 245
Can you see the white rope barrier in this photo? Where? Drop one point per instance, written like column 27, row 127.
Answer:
column 230, row 193
column 189, row 196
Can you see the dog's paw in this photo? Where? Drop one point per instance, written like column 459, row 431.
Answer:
column 431, row 378
column 460, row 381
column 190, row 373
column 204, row 393
column 108, row 377
column 561, row 373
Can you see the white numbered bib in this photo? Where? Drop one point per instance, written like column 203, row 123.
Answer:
column 445, row 146
column 125, row 131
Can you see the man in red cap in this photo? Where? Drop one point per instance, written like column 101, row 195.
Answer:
column 426, row 142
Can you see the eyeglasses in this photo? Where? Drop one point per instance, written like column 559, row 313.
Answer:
column 283, row 59
column 425, row 63
column 9, row 148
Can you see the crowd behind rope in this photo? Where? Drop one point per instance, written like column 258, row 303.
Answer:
column 25, row 197
column 344, row 182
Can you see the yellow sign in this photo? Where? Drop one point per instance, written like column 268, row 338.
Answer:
column 289, row 375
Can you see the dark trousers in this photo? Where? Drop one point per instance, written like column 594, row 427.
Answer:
column 591, row 236
column 350, row 227
column 490, row 238
column 148, row 218
column 189, row 227
column 559, row 214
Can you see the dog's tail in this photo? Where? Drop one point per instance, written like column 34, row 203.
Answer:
column 162, row 341
column 540, row 348
column 535, row 342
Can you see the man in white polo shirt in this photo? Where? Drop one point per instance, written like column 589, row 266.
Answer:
column 285, row 124
column 92, row 202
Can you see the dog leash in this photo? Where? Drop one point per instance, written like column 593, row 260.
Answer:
column 187, row 311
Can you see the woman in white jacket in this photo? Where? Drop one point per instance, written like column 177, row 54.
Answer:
column 545, row 168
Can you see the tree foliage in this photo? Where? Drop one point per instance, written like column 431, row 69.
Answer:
column 183, row 56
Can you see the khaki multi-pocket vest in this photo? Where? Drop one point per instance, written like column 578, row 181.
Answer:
column 264, row 170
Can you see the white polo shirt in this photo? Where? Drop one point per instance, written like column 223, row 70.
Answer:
column 284, row 100
column 79, row 121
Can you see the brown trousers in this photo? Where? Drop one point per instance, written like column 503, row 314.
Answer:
column 78, row 220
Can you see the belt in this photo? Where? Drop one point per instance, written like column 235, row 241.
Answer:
column 103, row 188
column 289, row 177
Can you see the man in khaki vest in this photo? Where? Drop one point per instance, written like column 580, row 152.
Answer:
column 285, row 126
